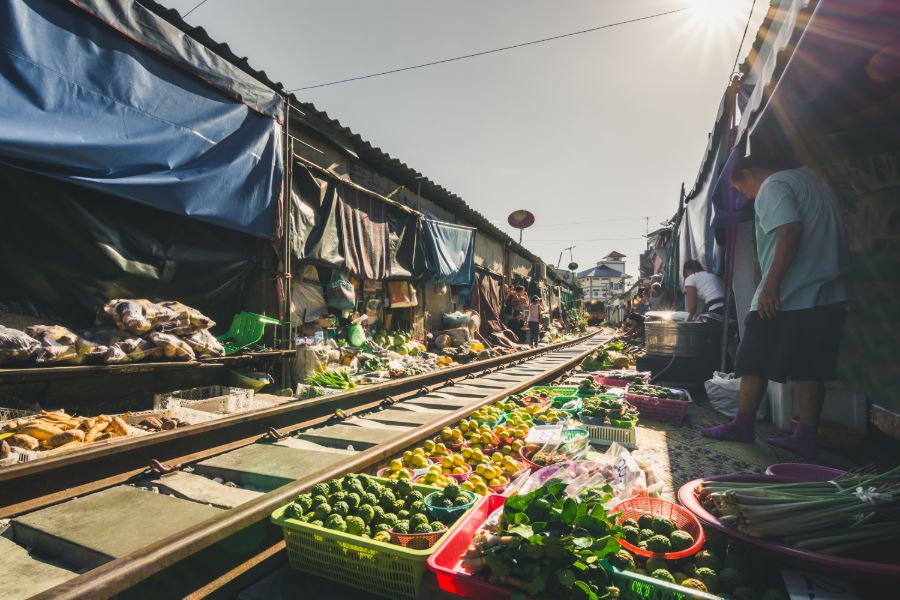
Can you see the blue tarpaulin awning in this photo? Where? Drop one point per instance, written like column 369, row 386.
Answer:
column 94, row 103
column 450, row 252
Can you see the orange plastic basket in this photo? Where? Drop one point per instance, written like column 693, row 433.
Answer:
column 657, row 507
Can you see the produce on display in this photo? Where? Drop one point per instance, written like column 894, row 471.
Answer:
column 61, row 345
column 548, row 544
column 589, row 387
column 853, row 514
column 56, row 431
column 17, row 346
column 144, row 330
column 371, row 507
column 721, row 567
column 609, row 356
column 608, row 408
column 656, row 391
column 623, row 375
column 332, row 378
column 550, row 416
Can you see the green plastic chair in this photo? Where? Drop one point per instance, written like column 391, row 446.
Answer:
column 246, row 329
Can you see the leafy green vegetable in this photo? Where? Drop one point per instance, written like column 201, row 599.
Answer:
column 557, row 544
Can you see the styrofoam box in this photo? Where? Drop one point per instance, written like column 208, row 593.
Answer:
column 842, row 405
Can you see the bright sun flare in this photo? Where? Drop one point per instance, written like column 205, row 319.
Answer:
column 717, row 13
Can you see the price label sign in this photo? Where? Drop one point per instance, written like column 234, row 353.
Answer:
column 816, row 586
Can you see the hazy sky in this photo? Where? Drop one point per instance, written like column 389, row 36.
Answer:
column 591, row 133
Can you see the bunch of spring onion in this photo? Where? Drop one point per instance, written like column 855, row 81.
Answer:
column 833, row 517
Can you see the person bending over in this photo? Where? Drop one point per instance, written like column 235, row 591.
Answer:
column 797, row 315
column 702, row 285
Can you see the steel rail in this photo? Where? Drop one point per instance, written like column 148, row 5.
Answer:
column 50, row 477
column 125, row 572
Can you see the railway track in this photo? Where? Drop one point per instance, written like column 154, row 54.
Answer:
column 120, row 529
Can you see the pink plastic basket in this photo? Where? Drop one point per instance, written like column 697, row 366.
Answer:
column 804, row 472
column 660, row 409
column 601, row 378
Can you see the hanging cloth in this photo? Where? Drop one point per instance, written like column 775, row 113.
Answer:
column 450, row 250
column 364, row 233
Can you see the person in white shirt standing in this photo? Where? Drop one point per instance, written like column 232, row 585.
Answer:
column 796, row 319
column 702, row 285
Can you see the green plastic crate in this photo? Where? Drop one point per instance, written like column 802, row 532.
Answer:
column 566, row 390
column 634, row 586
column 378, row 568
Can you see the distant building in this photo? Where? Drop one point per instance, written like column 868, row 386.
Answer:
column 604, row 284
column 606, row 280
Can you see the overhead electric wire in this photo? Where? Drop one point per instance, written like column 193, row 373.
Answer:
column 743, row 39
column 484, row 52
column 201, row 3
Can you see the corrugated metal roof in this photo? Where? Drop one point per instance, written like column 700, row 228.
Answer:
column 387, row 165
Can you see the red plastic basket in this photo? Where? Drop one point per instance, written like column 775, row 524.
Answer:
column 527, row 451
column 660, row 409
column 446, row 564
column 657, row 507
column 447, row 556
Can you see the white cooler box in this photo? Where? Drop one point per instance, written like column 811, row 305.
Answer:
column 842, row 405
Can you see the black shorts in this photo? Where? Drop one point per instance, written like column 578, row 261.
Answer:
column 801, row 345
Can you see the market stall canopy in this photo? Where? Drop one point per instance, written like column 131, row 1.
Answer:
column 450, row 251
column 65, row 250
column 107, row 95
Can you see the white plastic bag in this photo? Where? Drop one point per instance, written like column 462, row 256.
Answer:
column 724, row 395
column 616, row 467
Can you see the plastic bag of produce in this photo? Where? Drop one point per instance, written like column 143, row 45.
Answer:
column 139, row 316
column 61, row 345
column 616, row 467
column 172, row 346
column 356, row 336
column 187, row 320
column 204, row 344
column 17, row 346
column 724, row 395
column 123, row 347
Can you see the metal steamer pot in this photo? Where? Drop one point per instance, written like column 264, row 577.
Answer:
column 683, row 338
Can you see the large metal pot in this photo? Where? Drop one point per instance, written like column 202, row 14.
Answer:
column 682, row 338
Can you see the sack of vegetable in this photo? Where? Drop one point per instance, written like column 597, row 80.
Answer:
column 139, row 316
column 187, row 319
column 172, row 346
column 17, row 346
column 61, row 345
column 204, row 344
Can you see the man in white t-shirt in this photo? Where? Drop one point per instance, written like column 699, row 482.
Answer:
column 796, row 319
column 702, row 285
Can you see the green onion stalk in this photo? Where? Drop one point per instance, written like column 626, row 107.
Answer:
column 839, row 517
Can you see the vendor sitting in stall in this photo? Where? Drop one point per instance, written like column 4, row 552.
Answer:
column 516, row 324
column 634, row 326
column 702, row 285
